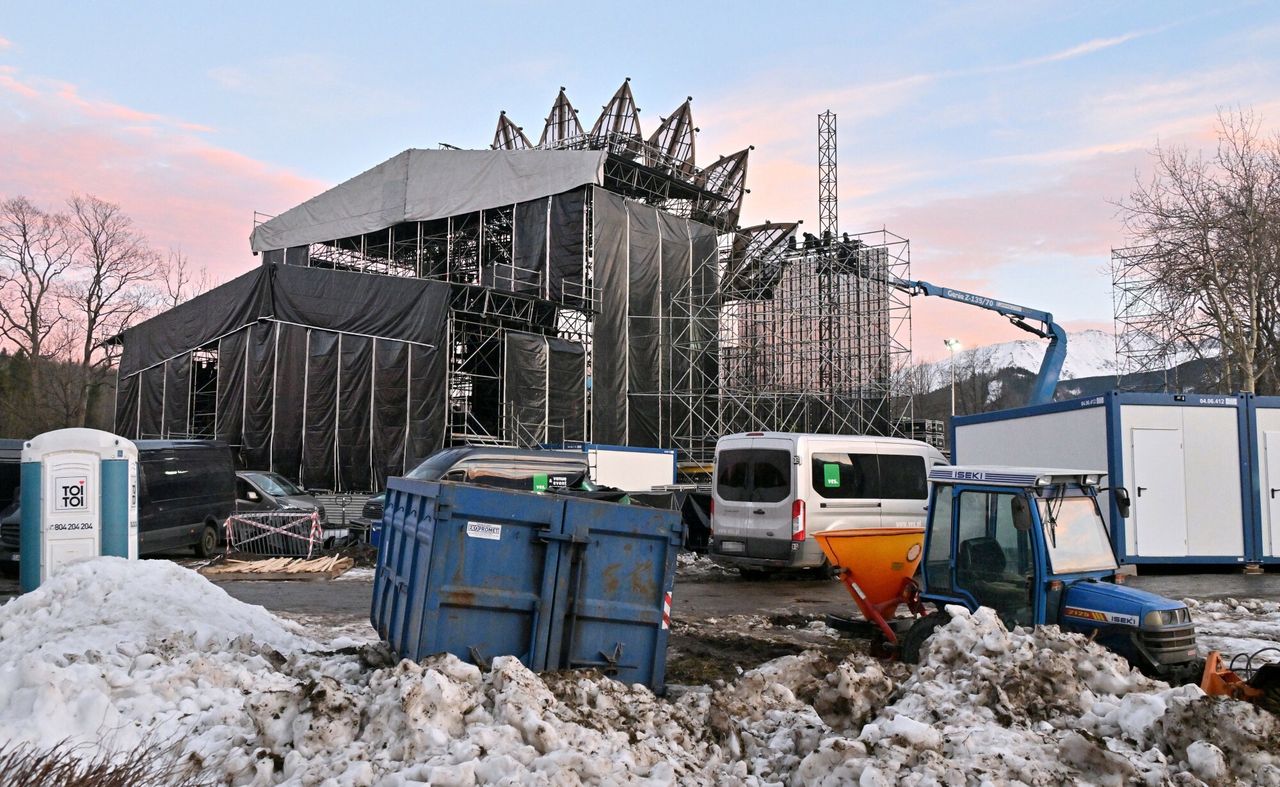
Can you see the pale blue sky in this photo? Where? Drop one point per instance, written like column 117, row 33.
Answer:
column 994, row 135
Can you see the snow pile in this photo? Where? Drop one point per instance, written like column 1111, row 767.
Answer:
column 110, row 653
column 691, row 566
column 1238, row 627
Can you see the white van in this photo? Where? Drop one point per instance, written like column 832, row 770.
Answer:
column 773, row 490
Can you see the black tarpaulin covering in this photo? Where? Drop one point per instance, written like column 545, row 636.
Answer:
column 566, row 389
column 127, row 406
column 384, row 306
column 198, row 321
column 564, row 266
column 151, row 403
column 525, row 366
column 531, row 243
column 545, row 379
column 675, row 304
column 427, row 418
column 299, row 390
column 643, row 326
column 355, row 394
column 255, row 449
column 654, row 273
column 286, row 427
column 390, row 408
column 177, row 395
column 319, row 433
column 609, row 354
column 231, row 369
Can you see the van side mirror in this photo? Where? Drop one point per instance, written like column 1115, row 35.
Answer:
column 1021, row 513
column 1123, row 503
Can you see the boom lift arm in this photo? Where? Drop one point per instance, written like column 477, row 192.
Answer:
column 1054, row 355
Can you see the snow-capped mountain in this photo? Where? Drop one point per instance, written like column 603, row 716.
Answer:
column 1089, row 354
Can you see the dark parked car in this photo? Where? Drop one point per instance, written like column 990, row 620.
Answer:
column 510, row 468
column 186, row 490
column 260, row 490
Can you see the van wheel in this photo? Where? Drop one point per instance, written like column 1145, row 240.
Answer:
column 208, row 543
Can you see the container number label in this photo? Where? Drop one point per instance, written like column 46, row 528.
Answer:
column 486, row 530
column 69, row 493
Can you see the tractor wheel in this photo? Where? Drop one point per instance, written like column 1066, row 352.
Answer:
column 920, row 631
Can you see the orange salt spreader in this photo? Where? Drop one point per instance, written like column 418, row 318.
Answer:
column 877, row 564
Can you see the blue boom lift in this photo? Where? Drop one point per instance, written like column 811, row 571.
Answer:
column 1054, row 355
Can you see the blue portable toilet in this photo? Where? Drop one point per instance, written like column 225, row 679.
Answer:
column 79, row 490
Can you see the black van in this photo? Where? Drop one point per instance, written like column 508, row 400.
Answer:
column 186, row 491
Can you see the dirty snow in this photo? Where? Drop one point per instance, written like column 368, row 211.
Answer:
column 1238, row 627
column 109, row 652
column 691, row 566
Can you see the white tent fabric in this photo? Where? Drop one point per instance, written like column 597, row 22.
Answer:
column 420, row 185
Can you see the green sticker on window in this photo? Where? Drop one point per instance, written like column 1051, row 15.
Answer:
column 830, row 475
column 540, row 482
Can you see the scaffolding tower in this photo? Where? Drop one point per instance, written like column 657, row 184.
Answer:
column 812, row 333
column 1145, row 344
column 827, row 176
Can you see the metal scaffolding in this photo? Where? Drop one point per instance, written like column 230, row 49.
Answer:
column 1145, row 343
column 811, row 335
column 827, row 181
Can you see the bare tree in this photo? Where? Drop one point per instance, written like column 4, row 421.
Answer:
column 182, row 281
column 36, row 249
column 108, row 290
column 1210, row 228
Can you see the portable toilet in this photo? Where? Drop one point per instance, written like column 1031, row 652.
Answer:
column 79, row 500
column 1182, row 457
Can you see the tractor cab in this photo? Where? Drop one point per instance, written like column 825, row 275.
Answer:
column 1031, row 544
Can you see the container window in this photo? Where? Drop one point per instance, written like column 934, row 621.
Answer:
column 753, row 475
column 857, row 476
column 903, row 477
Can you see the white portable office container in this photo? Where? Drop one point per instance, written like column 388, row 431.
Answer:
column 1182, row 457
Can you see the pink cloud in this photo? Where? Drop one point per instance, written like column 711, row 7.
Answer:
column 5, row 43
column 182, row 190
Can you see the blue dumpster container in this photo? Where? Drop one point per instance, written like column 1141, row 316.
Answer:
column 559, row 582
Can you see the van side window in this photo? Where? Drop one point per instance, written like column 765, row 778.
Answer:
column 903, row 477
column 858, row 476
column 753, row 475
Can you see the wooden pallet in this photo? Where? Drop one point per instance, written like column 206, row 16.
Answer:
column 294, row 568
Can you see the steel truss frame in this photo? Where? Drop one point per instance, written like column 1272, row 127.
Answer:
column 810, row 337
column 1145, row 343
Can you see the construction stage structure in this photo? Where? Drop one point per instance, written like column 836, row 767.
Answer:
column 593, row 287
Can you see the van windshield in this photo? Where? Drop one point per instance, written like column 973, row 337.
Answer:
column 753, row 475
column 851, row 476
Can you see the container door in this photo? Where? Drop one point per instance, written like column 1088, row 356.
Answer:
column 1159, row 515
column 1271, row 495
column 615, row 578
